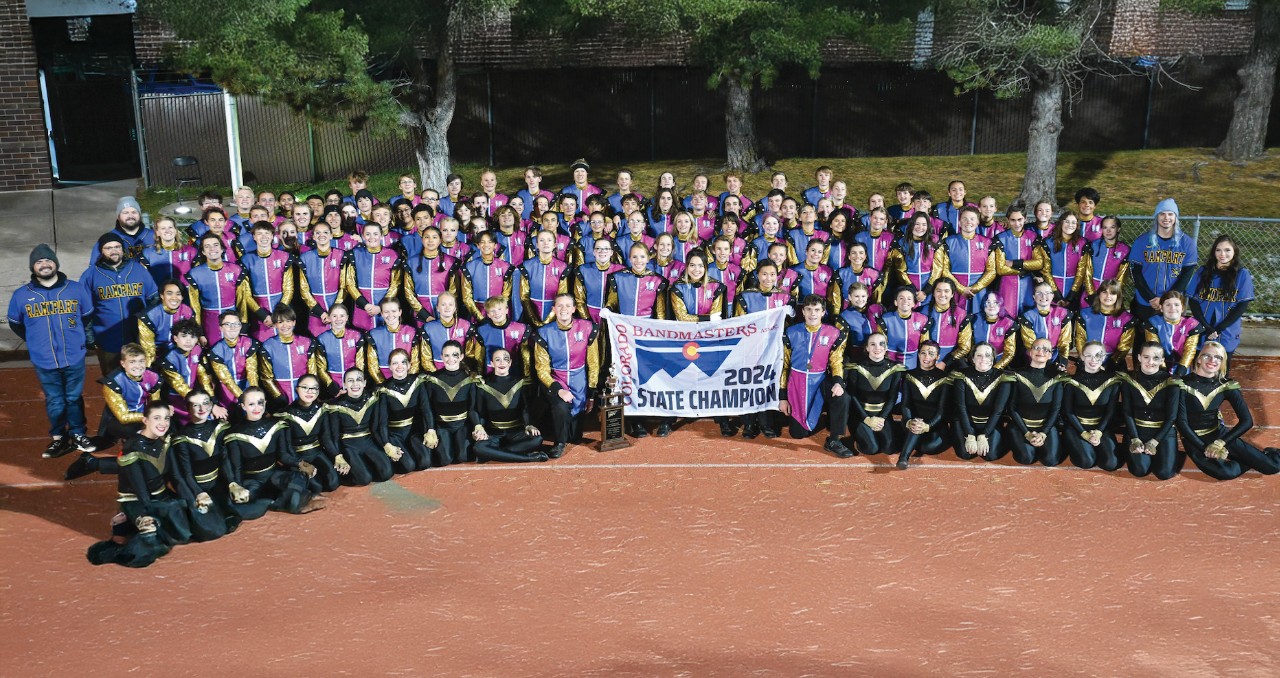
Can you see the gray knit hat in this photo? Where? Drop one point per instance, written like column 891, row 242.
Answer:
column 128, row 201
column 42, row 251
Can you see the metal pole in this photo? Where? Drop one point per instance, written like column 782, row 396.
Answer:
column 488, row 102
column 1146, row 122
column 653, row 116
column 137, row 130
column 813, row 123
column 973, row 129
column 233, row 140
column 311, row 147
column 1195, row 234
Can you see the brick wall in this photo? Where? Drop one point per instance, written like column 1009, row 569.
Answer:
column 24, row 151
column 1142, row 29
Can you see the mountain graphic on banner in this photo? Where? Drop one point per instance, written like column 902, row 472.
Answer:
column 656, row 356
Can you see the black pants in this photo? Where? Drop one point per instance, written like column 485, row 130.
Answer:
column 934, row 441
column 513, row 445
column 1241, row 456
column 837, row 415
column 1105, row 455
column 765, row 421
column 1051, row 453
column 565, row 427
column 995, row 444
column 369, row 463
column 1164, row 464
column 866, row 441
column 455, row 444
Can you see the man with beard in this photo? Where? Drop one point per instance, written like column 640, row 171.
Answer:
column 121, row 288
column 55, row 312
column 129, row 227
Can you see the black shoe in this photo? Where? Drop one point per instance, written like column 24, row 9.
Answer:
column 902, row 464
column 728, row 430
column 834, row 446
column 540, row 456
column 750, row 432
column 663, row 431
column 556, row 451
column 83, row 465
column 83, row 443
column 639, row 432
column 770, row 433
column 57, row 447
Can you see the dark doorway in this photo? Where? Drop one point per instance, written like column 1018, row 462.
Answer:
column 87, row 64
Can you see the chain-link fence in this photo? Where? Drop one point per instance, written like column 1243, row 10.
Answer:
column 1257, row 239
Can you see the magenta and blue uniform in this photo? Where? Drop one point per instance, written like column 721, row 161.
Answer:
column 373, row 274
column 567, row 351
column 626, row 240
column 541, row 283
column 267, row 280
column 877, row 247
column 1173, row 338
column 946, row 326
column 817, row 280
column 1103, row 328
column 165, row 264
column 917, row 259
column 904, row 335
column 1107, row 261
column 810, row 355
column 217, row 291
column 730, row 276
column 160, row 321
column 323, row 275
column 436, row 333
column 383, row 341
column 430, row 277
column 187, row 366
column 1048, row 326
column 970, row 259
column 487, row 280
column 995, row 333
column 638, row 296
column 593, row 284
column 341, row 353
column 512, row 337
column 800, row 240
column 699, row 298
column 1017, row 292
column 234, row 361
column 528, row 199
column 857, row 324
column 289, row 362
column 754, row 301
column 1064, row 260
column 671, row 270
column 847, row 276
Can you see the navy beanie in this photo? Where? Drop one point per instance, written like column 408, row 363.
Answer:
column 109, row 236
column 42, row 251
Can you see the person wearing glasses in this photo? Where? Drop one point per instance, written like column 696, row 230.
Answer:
column 1220, row 452
column 1035, row 403
column 306, row 418
column 233, row 362
column 1047, row 321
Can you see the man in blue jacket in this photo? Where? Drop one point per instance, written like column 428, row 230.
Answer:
column 133, row 232
column 52, row 313
column 121, row 288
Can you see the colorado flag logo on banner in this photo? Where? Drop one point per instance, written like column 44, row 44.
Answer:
column 719, row 368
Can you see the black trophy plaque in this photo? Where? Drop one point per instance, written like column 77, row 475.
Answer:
column 612, row 428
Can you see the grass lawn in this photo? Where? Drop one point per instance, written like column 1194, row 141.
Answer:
column 1131, row 182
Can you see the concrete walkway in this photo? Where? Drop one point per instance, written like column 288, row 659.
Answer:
column 72, row 219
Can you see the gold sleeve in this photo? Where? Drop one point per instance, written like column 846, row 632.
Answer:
column 660, row 310
column 286, row 283
column 1039, row 260
column 717, row 304
column 193, row 300
column 204, row 379
column 964, row 344
column 370, row 358
column 1002, row 264
column 942, row 266
column 611, row 296
column 467, row 299
column 147, row 338
column 580, row 296
column 526, row 300
column 243, row 296
column 474, row 350
column 119, row 409
column 835, row 300
column 1123, row 274
column 224, row 376
column 1007, row 353
column 1151, row 337
column 526, row 358
column 749, row 260
column 313, row 360
column 785, row 372
column 792, row 259
column 1064, row 341
column 1189, row 349
column 1027, row 334
column 1126, row 340
column 1079, row 334
column 322, row 368
column 411, row 293
column 895, row 263
column 1084, row 273
column 835, row 361
column 397, row 279
column 267, row 375
column 542, row 364
column 506, row 292
column 252, row 371
column 426, row 355
column 678, row 309
column 415, row 358
column 349, row 280
column 175, row 381
column 594, row 350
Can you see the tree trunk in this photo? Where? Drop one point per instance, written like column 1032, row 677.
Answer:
column 1041, row 181
column 740, row 128
column 430, row 123
column 1247, row 137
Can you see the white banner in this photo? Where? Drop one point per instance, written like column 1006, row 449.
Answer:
column 678, row 369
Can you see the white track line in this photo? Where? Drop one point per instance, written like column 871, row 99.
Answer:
column 494, row 467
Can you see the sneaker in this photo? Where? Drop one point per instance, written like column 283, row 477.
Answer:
column 664, row 430
column 83, row 465
column 83, row 443
column 834, row 446
column 57, row 447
